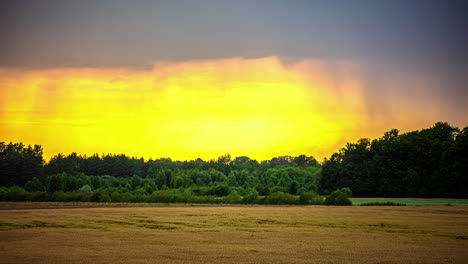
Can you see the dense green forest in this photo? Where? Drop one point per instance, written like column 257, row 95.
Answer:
column 431, row 162
column 427, row 163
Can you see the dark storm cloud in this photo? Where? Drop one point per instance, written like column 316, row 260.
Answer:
column 421, row 38
column 128, row 33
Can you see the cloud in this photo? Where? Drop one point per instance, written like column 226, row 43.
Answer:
column 255, row 107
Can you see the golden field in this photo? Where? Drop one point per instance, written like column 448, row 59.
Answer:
column 87, row 233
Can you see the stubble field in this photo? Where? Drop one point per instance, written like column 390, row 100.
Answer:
column 83, row 233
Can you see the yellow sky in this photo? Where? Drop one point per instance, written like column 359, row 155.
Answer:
column 260, row 108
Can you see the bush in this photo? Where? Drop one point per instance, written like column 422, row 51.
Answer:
column 219, row 190
column 121, row 197
column 339, row 197
column 233, row 198
column 276, row 189
column 347, row 191
column 86, row 189
column 183, row 196
column 280, row 198
column 85, row 193
column 310, row 197
column 251, row 197
column 100, row 196
column 205, row 199
column 161, row 197
column 83, row 197
column 54, row 183
column 3, row 191
column 38, row 196
column 342, row 199
column 139, row 195
column 34, row 185
column 58, row 196
column 15, row 193
column 262, row 190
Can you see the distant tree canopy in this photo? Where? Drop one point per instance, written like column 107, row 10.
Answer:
column 428, row 163
column 19, row 163
column 432, row 162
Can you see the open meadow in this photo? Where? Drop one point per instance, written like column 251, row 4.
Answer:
column 83, row 233
column 410, row 201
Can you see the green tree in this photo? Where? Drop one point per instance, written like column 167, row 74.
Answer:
column 34, row 185
column 54, row 183
column 339, row 197
column 135, row 181
column 224, row 159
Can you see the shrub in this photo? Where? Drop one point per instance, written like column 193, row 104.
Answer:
column 15, row 193
column 100, row 196
column 58, row 196
column 161, row 197
column 251, row 197
column 233, row 198
column 310, row 197
column 54, row 183
column 86, row 189
column 105, row 198
column 69, row 197
column 139, row 195
column 34, row 185
column 342, row 199
column 183, row 196
column 38, row 196
column 262, row 190
column 347, row 191
column 280, row 198
column 293, row 187
column 3, row 191
column 276, row 189
column 205, row 199
column 83, row 197
column 121, row 197
column 85, row 193
column 339, row 197
column 219, row 190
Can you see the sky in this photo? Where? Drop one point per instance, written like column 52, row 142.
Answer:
column 189, row 79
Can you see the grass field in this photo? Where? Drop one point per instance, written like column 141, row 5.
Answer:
column 413, row 201
column 87, row 233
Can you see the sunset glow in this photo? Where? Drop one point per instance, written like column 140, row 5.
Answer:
column 258, row 107
column 140, row 106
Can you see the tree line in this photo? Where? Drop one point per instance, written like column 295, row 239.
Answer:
column 427, row 163
column 20, row 165
column 431, row 162
column 119, row 178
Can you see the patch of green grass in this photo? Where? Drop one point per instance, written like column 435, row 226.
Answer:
column 382, row 204
column 411, row 201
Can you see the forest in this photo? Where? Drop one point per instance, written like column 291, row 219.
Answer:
column 430, row 162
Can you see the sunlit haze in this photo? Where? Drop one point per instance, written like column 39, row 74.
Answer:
column 256, row 107
column 259, row 78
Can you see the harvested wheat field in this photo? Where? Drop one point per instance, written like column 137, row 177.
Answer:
column 232, row 234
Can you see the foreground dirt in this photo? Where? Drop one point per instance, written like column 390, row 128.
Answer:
column 234, row 234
